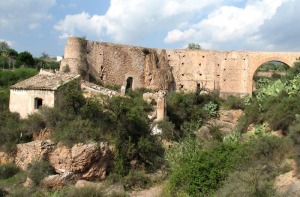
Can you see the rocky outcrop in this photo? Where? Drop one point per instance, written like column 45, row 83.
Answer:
column 226, row 123
column 32, row 151
column 81, row 161
column 158, row 73
column 90, row 161
column 287, row 184
column 5, row 158
column 60, row 180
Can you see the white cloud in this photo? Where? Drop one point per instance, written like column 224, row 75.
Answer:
column 16, row 14
column 131, row 20
column 229, row 24
column 10, row 43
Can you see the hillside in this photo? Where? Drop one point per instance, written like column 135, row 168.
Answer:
column 103, row 145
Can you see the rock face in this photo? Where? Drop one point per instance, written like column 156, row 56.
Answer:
column 90, row 161
column 5, row 158
column 226, row 123
column 82, row 161
column 287, row 185
column 32, row 151
column 60, row 180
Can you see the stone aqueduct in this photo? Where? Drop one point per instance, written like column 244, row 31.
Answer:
column 230, row 72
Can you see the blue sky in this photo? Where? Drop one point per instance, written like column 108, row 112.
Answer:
column 44, row 25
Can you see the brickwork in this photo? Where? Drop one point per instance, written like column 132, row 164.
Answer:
column 230, row 72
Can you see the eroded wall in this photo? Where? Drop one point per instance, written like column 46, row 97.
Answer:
column 230, row 72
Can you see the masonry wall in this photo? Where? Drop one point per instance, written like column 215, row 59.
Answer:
column 22, row 101
column 230, row 72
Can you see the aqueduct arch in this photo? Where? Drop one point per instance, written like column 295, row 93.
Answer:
column 230, row 72
column 254, row 67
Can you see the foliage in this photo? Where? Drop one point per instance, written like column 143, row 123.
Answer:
column 73, row 99
column 194, row 46
column 168, row 130
column 8, row 170
column 9, row 130
column 187, row 111
column 252, row 182
column 136, row 180
column 211, row 109
column 10, row 77
column 294, row 134
column 202, row 172
column 38, row 170
column 25, row 58
column 233, row 102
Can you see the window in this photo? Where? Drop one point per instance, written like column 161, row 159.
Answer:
column 38, row 102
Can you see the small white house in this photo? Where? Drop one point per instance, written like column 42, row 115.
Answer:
column 44, row 89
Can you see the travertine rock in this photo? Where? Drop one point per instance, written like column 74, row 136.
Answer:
column 5, row 158
column 60, row 180
column 287, row 184
column 30, row 152
column 89, row 160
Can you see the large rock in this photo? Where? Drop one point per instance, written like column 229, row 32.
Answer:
column 91, row 161
column 287, row 184
column 60, row 180
column 30, row 152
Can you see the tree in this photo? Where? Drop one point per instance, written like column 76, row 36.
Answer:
column 194, row 46
column 4, row 46
column 25, row 58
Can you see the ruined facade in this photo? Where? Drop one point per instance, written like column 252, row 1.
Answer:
column 230, row 72
column 44, row 89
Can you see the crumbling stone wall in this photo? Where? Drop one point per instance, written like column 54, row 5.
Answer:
column 230, row 72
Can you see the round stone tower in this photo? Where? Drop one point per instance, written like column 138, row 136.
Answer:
column 75, row 60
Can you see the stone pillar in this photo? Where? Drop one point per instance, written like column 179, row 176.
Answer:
column 161, row 106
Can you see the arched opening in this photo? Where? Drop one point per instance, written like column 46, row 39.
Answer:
column 268, row 71
column 38, row 102
column 129, row 83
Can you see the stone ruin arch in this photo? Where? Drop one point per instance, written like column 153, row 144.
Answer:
column 265, row 60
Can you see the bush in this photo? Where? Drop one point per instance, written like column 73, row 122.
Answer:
column 136, row 180
column 233, row 102
column 252, row 182
column 9, row 131
column 204, row 171
column 38, row 170
column 8, row 170
column 168, row 130
column 77, row 131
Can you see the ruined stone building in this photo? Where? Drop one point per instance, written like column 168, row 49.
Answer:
column 230, row 72
column 44, row 89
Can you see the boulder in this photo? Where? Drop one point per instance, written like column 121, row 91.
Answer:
column 60, row 180
column 287, row 184
column 90, row 161
column 30, row 152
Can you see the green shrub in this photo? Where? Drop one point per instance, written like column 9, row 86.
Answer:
column 136, row 180
column 168, row 130
column 252, row 182
column 204, row 172
column 233, row 102
column 38, row 170
column 294, row 134
column 8, row 170
column 9, row 131
column 77, row 131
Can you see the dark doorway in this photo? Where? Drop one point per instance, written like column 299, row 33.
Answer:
column 38, row 102
column 129, row 83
